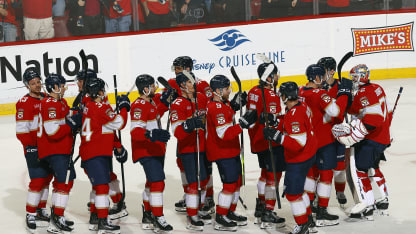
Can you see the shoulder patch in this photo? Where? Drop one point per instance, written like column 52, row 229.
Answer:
column 174, row 116
column 220, row 119
column 326, row 98
column 52, row 113
column 295, row 127
column 364, row 101
column 20, row 114
column 137, row 113
column 110, row 113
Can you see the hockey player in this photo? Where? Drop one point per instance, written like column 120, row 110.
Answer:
column 186, row 123
column 331, row 85
column 97, row 141
column 369, row 134
column 54, row 147
column 266, row 200
column 324, row 109
column 223, row 148
column 27, row 116
column 148, row 147
column 297, row 135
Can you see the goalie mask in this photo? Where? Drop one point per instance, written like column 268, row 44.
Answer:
column 360, row 76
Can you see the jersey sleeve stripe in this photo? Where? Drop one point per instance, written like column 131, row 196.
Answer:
column 221, row 130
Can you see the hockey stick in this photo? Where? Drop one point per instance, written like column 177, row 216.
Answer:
column 342, row 62
column 166, row 84
column 123, row 195
column 397, row 99
column 189, row 76
column 243, row 169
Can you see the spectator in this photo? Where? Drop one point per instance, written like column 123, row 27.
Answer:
column 192, row 11
column 92, row 19
column 58, row 8
column 275, row 8
column 37, row 19
column 338, row 6
column 8, row 31
column 157, row 13
column 302, row 7
column 229, row 11
column 118, row 22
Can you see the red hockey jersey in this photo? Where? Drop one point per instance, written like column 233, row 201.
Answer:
column 54, row 135
column 255, row 102
column 97, row 132
column 324, row 109
column 299, row 139
column 27, row 118
column 144, row 116
column 222, row 139
column 370, row 105
column 181, row 110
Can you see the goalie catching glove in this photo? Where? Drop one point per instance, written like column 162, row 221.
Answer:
column 349, row 134
column 122, row 155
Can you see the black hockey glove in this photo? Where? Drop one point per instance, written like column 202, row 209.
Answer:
column 273, row 121
column 122, row 156
column 193, row 123
column 272, row 134
column 31, row 154
column 157, row 135
column 74, row 121
column 123, row 102
column 248, row 118
column 168, row 96
column 235, row 102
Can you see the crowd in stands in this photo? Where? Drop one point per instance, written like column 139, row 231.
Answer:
column 44, row 19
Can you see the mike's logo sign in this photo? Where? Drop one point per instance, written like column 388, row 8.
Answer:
column 383, row 39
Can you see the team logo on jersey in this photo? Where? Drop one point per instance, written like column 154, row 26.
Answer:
column 383, row 39
column 52, row 114
column 137, row 114
column 295, row 127
column 20, row 114
column 273, row 108
column 174, row 116
column 229, row 40
column 110, row 113
column 220, row 119
column 326, row 98
column 364, row 101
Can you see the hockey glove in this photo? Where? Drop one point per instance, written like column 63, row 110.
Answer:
column 350, row 134
column 122, row 155
column 344, row 88
column 123, row 102
column 31, row 154
column 74, row 121
column 168, row 96
column 273, row 121
column 248, row 118
column 193, row 123
column 157, row 135
column 272, row 134
column 235, row 102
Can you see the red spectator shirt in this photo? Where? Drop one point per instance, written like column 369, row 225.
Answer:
column 338, row 3
column 125, row 4
column 11, row 16
column 158, row 8
column 181, row 110
column 371, row 107
column 54, row 135
column 255, row 102
column 92, row 7
column 222, row 138
column 27, row 118
column 37, row 9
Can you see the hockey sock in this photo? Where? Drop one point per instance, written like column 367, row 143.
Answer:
column 61, row 197
column 92, row 202
column 339, row 177
column 307, row 203
column 270, row 191
column 101, row 200
column 203, row 192
column 261, row 185
column 310, row 183
column 234, row 202
column 156, row 197
column 191, row 199
column 225, row 197
column 324, row 187
column 34, row 194
column 365, row 187
column 146, row 197
column 45, row 192
column 381, row 182
column 115, row 193
column 210, row 188
column 298, row 207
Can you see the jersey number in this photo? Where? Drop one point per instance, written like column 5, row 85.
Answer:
column 86, row 129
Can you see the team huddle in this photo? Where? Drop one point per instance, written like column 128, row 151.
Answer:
column 303, row 131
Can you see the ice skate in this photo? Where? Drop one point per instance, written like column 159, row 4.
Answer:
column 205, row 217
column 68, row 222
column 383, row 206
column 93, row 223
column 301, row 229
column 260, row 206
column 30, row 223
column 147, row 220
column 365, row 215
column 323, row 218
column 42, row 217
column 58, row 225
column 209, row 205
column 180, row 206
column 223, row 223
column 239, row 219
column 118, row 211
column 161, row 226
column 194, row 223
column 269, row 220
column 104, row 227
column 342, row 200
column 312, row 225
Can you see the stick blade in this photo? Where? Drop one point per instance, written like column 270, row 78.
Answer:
column 164, row 82
column 263, row 58
column 267, row 72
column 236, row 78
column 190, row 77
